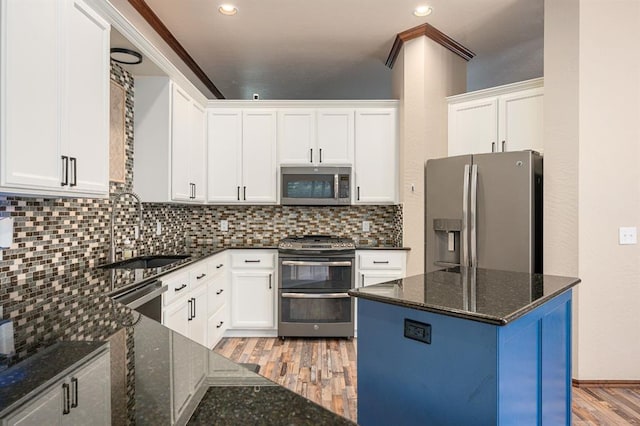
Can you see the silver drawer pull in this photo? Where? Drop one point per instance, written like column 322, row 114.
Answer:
column 315, row 295
column 312, row 263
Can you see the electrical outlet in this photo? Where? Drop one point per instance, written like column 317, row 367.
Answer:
column 158, row 228
column 366, row 226
column 628, row 235
column 224, row 225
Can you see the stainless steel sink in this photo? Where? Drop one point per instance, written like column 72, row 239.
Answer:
column 146, row 262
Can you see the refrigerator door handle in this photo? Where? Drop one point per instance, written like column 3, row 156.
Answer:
column 474, row 215
column 464, row 261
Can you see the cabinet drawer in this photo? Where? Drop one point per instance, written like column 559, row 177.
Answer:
column 384, row 260
column 217, row 265
column 177, row 286
column 257, row 260
column 198, row 274
column 217, row 295
column 216, row 325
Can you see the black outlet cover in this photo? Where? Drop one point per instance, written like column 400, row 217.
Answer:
column 416, row 330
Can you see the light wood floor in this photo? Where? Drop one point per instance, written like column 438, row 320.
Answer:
column 324, row 370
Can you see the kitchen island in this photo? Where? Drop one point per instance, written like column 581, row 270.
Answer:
column 465, row 346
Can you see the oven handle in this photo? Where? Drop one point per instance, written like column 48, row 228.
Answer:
column 315, row 295
column 313, row 263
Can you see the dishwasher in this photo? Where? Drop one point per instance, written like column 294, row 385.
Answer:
column 145, row 298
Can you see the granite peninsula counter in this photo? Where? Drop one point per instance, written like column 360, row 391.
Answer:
column 465, row 346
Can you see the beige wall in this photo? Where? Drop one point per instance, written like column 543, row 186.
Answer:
column 592, row 180
column 424, row 75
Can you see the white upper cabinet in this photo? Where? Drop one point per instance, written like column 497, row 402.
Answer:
column 315, row 136
column 242, row 156
column 169, row 147
column 473, row 127
column 224, row 140
column 504, row 118
column 520, row 120
column 54, row 101
column 376, row 168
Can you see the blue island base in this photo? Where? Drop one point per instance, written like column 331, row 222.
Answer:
column 472, row 373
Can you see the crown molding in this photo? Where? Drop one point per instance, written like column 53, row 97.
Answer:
column 432, row 33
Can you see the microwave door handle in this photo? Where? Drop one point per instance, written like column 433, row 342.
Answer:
column 335, row 186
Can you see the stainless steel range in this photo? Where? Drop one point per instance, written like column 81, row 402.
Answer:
column 316, row 271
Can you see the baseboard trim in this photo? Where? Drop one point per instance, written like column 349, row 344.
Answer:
column 606, row 383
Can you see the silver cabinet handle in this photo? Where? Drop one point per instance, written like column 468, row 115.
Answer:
column 74, row 392
column 336, row 188
column 312, row 263
column 66, row 408
column 504, row 146
column 473, row 214
column 315, row 295
column 189, row 303
column 269, row 281
column 177, row 289
column 493, row 147
column 220, row 291
column 465, row 217
column 383, row 262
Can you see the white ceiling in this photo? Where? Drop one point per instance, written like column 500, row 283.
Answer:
column 301, row 49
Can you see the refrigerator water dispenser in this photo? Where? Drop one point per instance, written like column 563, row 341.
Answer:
column 447, row 242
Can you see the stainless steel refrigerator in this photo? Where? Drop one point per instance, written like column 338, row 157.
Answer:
column 484, row 210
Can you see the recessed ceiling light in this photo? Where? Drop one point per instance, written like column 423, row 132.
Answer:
column 228, row 9
column 423, row 10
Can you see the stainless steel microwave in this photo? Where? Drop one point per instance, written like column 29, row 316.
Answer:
column 315, row 186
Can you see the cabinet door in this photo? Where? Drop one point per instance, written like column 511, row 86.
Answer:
column 252, row 299
column 335, row 136
column 473, row 127
column 197, row 152
column 259, row 173
column 45, row 410
column 91, row 394
column 176, row 316
column 85, row 120
column 297, row 136
column 180, row 144
column 181, row 359
column 29, row 93
column 521, row 120
column 376, row 164
column 198, row 317
column 216, row 325
column 224, row 139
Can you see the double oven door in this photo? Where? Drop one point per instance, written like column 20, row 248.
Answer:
column 313, row 299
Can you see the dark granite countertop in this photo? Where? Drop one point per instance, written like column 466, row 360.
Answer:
column 381, row 248
column 485, row 295
column 29, row 377
column 261, row 405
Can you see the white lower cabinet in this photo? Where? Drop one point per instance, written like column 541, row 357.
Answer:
column 83, row 397
column 253, row 289
column 218, row 292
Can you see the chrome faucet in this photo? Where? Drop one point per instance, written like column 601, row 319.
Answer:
column 114, row 198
